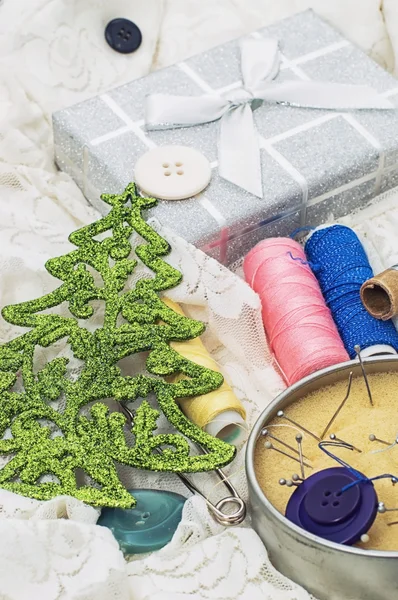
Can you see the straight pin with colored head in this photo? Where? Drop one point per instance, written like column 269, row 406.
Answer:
column 299, row 440
column 332, row 420
column 381, row 508
column 294, row 481
column 373, row 438
column 265, row 432
column 282, row 415
column 269, row 446
column 358, row 353
column 334, row 438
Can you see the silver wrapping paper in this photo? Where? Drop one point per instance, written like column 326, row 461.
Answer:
column 315, row 163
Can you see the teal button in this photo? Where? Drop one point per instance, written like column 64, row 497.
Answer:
column 148, row 526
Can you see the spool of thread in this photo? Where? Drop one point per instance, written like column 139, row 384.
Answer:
column 299, row 326
column 341, row 267
column 219, row 413
column 379, row 294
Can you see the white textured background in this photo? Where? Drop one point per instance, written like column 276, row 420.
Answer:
column 53, row 54
column 56, row 48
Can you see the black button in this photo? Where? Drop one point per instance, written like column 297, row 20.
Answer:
column 123, row 36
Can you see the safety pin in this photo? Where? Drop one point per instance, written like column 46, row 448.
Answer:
column 226, row 519
column 223, row 518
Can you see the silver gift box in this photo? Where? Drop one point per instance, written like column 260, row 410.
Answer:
column 315, row 163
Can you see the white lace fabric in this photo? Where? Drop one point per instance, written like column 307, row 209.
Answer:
column 206, row 561
column 60, row 559
column 52, row 54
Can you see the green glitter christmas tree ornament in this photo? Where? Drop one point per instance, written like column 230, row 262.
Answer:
column 135, row 320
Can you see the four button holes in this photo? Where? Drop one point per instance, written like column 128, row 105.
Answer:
column 335, row 503
column 172, row 172
column 167, row 171
column 126, row 35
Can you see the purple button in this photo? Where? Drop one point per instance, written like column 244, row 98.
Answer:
column 325, row 502
column 319, row 506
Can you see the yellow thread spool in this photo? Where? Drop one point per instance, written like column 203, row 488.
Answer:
column 219, row 413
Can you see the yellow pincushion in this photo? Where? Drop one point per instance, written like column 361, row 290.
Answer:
column 356, row 421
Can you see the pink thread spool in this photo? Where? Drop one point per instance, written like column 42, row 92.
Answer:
column 299, row 326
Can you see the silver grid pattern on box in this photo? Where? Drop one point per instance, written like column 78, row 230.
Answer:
column 314, row 162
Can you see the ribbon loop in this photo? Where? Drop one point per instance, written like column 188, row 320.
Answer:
column 239, row 153
column 259, row 61
column 164, row 111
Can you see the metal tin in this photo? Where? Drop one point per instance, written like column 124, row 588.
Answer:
column 329, row 571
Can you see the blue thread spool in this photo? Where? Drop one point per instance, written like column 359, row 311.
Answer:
column 341, row 266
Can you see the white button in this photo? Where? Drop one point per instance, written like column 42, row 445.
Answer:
column 172, row 172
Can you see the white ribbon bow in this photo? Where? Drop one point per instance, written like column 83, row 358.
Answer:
column 238, row 150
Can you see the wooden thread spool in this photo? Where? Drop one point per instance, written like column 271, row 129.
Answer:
column 379, row 294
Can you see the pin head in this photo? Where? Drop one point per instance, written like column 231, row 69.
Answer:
column 280, row 413
column 268, row 445
column 299, row 437
column 320, row 507
column 264, row 431
column 381, row 508
column 282, row 481
column 372, row 437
